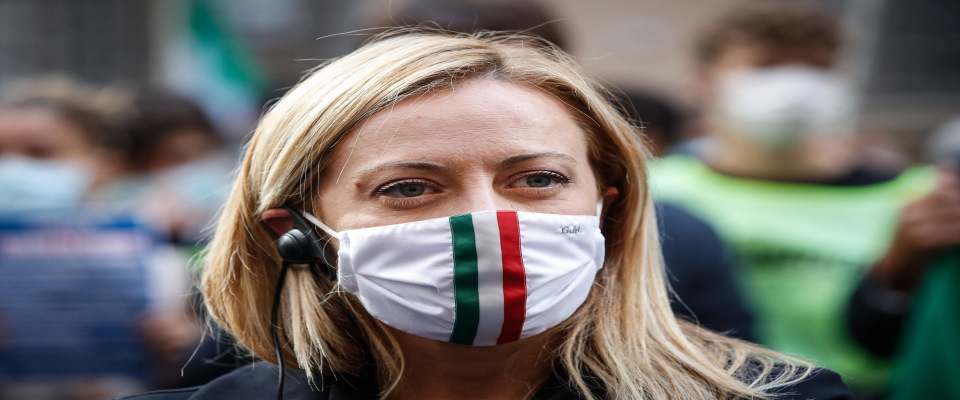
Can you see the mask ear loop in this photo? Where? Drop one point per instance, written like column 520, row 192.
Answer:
column 323, row 227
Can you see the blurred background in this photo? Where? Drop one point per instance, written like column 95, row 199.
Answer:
column 235, row 54
column 122, row 121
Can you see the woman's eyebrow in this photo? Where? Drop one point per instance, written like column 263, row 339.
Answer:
column 421, row 165
column 518, row 158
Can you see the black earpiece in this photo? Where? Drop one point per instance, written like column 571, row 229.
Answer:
column 295, row 247
column 298, row 246
column 302, row 245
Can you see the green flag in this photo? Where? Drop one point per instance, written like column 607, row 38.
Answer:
column 207, row 60
column 928, row 363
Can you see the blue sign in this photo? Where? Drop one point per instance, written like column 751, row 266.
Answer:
column 71, row 292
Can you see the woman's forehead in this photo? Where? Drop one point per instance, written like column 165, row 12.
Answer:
column 479, row 118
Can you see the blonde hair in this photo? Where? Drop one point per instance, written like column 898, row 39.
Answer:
column 623, row 342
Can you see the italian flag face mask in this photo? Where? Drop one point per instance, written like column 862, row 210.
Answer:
column 480, row 279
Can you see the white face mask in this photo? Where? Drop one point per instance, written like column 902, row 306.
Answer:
column 781, row 107
column 481, row 279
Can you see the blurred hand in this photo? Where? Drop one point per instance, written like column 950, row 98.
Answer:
column 171, row 335
column 926, row 226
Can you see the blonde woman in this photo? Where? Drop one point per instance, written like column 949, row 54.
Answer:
column 441, row 217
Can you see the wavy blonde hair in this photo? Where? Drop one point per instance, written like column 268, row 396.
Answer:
column 623, row 343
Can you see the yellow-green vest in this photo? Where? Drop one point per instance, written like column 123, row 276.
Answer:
column 802, row 249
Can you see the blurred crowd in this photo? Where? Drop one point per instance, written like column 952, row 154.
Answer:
column 74, row 152
column 781, row 223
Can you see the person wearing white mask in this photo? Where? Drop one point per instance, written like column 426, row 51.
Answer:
column 780, row 178
column 440, row 216
column 60, row 145
column 56, row 144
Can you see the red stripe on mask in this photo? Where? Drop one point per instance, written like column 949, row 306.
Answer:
column 514, row 278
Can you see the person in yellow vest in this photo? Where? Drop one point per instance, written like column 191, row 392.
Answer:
column 908, row 306
column 780, row 179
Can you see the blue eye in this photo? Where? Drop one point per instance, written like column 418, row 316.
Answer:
column 538, row 181
column 541, row 179
column 413, row 190
column 407, row 188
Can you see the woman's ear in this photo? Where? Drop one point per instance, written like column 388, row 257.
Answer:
column 609, row 195
column 278, row 219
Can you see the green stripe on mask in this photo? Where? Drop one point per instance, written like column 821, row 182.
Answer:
column 465, row 280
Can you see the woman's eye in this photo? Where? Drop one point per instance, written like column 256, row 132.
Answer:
column 411, row 190
column 540, row 180
column 405, row 189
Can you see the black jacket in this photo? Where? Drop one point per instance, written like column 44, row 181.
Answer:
column 259, row 382
column 704, row 278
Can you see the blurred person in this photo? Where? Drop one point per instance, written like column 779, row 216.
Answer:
column 176, row 164
column 662, row 122
column 167, row 131
column 176, row 167
column 908, row 306
column 552, row 286
column 782, row 181
column 60, row 145
column 883, row 151
column 704, row 284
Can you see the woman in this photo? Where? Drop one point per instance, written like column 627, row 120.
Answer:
column 463, row 180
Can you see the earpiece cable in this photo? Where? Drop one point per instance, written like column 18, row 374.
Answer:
column 273, row 328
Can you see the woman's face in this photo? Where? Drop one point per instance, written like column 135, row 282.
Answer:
column 483, row 145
